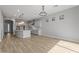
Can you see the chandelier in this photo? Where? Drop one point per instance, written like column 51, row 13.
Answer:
column 43, row 13
column 19, row 14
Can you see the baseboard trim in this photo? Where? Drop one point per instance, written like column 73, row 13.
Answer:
column 62, row 38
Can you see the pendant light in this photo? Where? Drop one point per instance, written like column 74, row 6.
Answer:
column 19, row 14
column 43, row 13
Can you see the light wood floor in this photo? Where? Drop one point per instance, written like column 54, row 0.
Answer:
column 35, row 44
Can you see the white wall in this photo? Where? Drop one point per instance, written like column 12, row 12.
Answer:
column 67, row 28
column 1, row 26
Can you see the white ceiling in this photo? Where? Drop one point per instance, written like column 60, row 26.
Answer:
column 31, row 11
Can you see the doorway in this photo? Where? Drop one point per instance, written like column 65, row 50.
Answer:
column 8, row 26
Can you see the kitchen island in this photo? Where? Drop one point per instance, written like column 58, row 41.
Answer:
column 23, row 33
